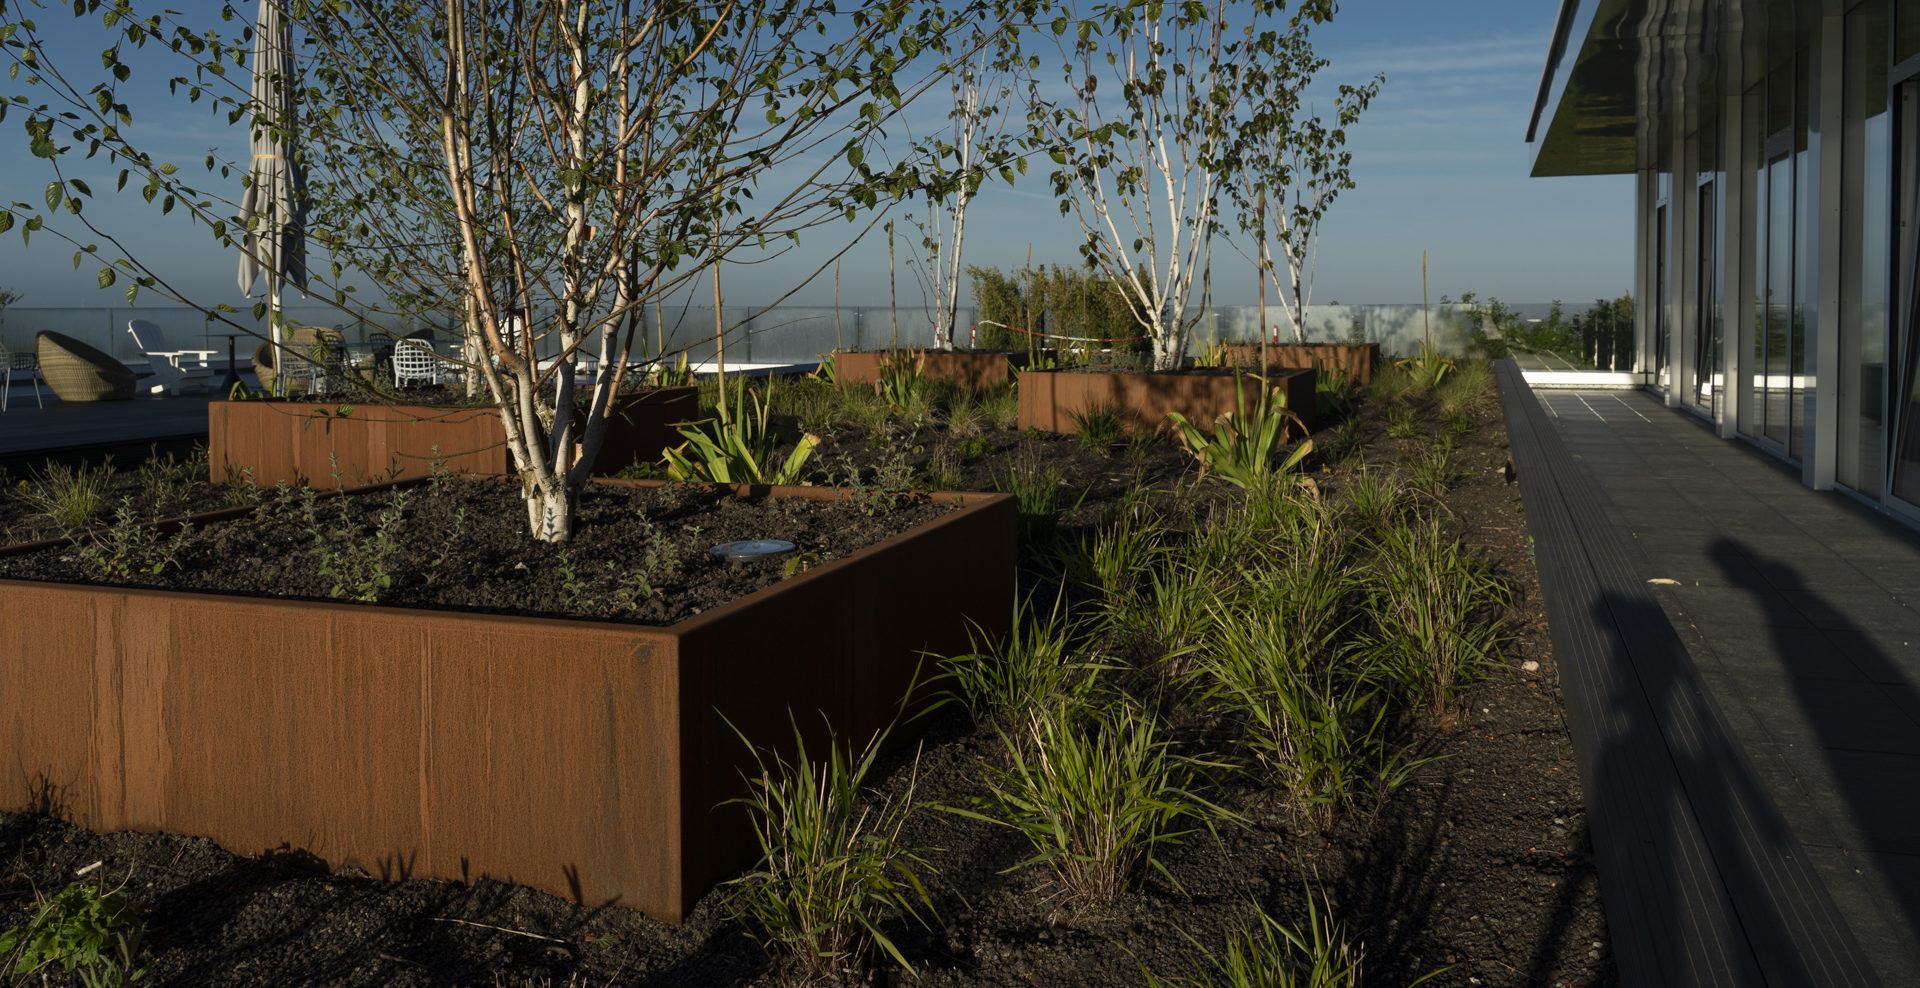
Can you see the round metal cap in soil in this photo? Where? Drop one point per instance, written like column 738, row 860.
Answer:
column 748, row 549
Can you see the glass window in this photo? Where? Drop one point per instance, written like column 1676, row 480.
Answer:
column 1865, row 214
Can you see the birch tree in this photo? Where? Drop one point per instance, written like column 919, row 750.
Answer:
column 985, row 100
column 1138, row 139
column 546, row 165
column 1288, row 164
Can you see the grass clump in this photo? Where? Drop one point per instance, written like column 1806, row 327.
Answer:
column 831, row 870
column 1437, row 614
column 1097, row 792
column 1006, row 682
column 67, row 496
column 1098, row 427
column 1467, row 389
column 1261, row 952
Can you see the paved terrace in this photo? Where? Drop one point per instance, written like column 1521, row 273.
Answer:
column 128, row 430
column 1738, row 656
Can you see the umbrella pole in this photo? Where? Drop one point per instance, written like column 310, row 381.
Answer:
column 274, row 335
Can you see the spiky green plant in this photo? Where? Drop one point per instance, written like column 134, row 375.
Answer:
column 1243, row 447
column 737, row 447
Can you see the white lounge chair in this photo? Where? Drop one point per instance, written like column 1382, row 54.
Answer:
column 177, row 370
column 24, row 361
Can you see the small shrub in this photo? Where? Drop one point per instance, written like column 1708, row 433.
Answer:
column 83, row 930
column 978, row 446
column 360, row 564
column 167, row 481
column 127, row 547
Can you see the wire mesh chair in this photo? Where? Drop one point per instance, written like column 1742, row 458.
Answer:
column 19, row 361
column 415, row 362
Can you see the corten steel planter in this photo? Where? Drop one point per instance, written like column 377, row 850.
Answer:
column 1049, row 399
column 1357, row 360
column 585, row 758
column 974, row 370
column 301, row 442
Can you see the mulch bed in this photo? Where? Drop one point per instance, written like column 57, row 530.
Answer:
column 1480, row 867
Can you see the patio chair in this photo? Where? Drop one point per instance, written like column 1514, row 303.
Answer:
column 19, row 362
column 177, row 370
column 415, row 362
column 307, row 358
column 78, row 372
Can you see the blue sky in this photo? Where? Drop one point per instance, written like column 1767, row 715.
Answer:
column 1440, row 161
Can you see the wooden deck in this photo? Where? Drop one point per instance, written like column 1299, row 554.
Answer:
column 1703, row 880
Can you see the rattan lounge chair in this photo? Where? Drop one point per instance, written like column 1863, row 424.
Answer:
column 309, row 345
column 78, row 372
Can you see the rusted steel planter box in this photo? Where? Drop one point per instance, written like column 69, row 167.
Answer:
column 1356, row 360
column 975, row 371
column 301, row 442
column 586, row 758
column 1049, row 399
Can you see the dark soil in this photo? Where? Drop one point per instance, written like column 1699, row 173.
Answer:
column 640, row 554
column 1480, row 867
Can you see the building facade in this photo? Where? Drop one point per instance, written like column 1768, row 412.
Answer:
column 1776, row 150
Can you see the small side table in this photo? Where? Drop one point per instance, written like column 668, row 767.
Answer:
column 233, row 369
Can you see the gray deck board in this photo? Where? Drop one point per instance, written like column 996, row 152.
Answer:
column 1704, row 882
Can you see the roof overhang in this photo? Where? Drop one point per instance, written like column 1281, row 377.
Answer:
column 1619, row 75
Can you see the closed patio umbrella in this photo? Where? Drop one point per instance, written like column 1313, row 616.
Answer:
column 274, row 207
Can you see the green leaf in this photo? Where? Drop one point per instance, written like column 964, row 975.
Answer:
column 855, row 157
column 56, row 194
column 6, row 221
column 106, row 278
